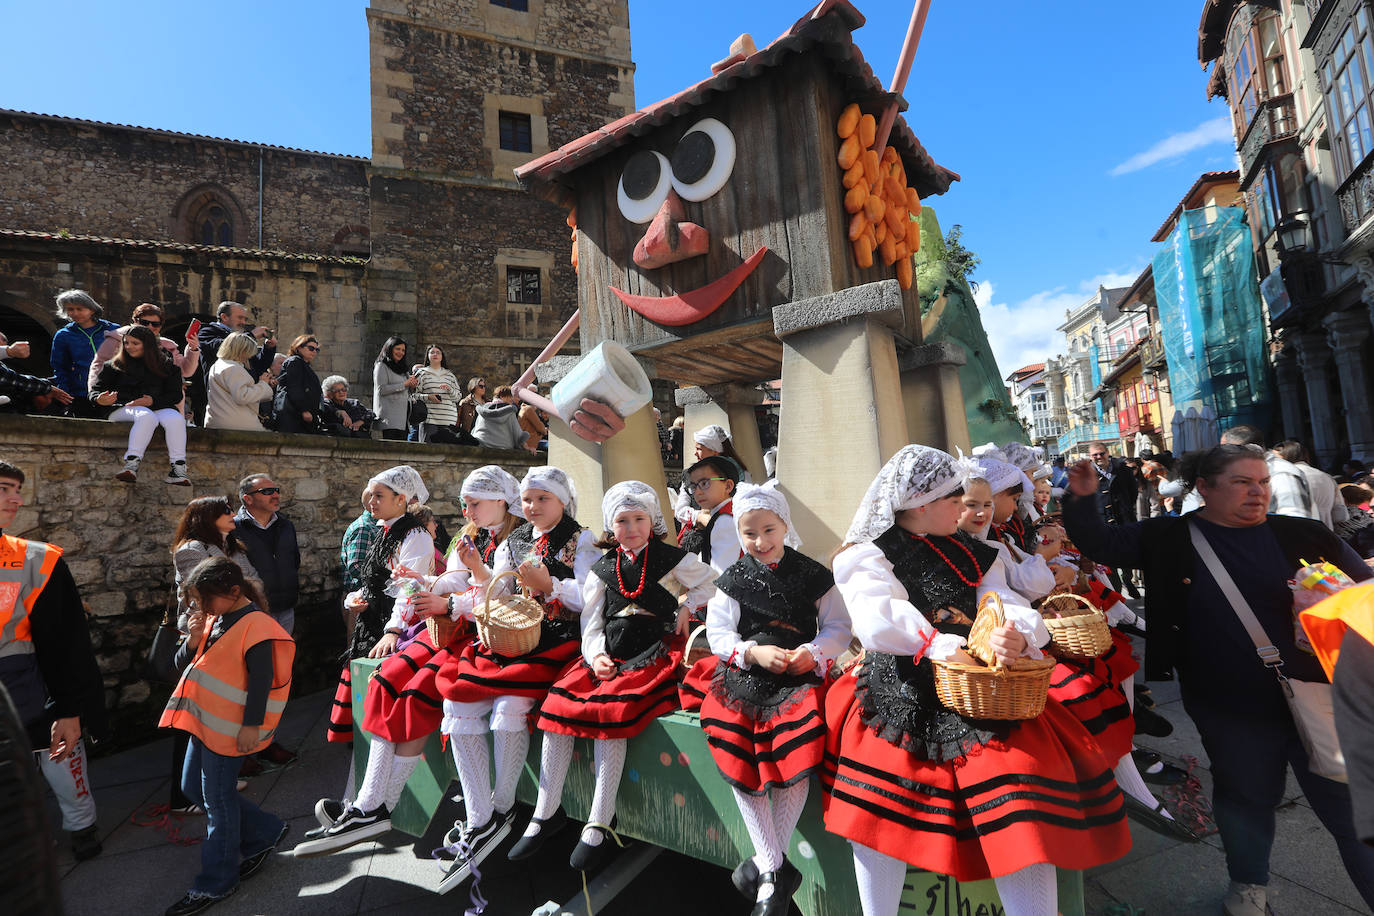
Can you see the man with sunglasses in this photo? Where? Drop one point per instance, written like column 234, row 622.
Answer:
column 151, row 317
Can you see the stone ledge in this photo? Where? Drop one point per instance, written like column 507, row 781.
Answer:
column 944, row 353
column 880, row 301
column 718, row 394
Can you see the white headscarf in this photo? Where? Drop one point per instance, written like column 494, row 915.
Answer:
column 492, row 482
column 767, row 496
column 990, row 451
column 913, row 477
column 1023, row 456
column 713, row 437
column 630, row 495
column 555, row 481
column 405, row 480
column 999, row 474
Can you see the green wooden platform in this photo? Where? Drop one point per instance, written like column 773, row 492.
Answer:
column 672, row 795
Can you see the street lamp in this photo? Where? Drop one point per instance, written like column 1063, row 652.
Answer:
column 1293, row 235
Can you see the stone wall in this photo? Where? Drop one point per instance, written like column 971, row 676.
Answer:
column 93, row 178
column 116, row 536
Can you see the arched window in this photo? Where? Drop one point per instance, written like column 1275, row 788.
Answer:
column 209, row 215
column 213, row 226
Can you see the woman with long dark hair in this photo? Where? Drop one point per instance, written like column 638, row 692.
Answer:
column 141, row 386
column 391, row 383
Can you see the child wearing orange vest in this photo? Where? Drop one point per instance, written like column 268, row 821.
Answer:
column 234, row 686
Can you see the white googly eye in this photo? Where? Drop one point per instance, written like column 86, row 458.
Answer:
column 703, row 160
column 644, row 186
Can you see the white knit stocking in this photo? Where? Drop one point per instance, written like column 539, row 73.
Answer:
column 787, row 809
column 1032, row 891
column 1128, row 686
column 1131, row 782
column 758, row 820
column 372, row 793
column 401, row 768
column 880, row 878
column 554, row 759
column 511, row 748
column 609, row 755
column 474, row 772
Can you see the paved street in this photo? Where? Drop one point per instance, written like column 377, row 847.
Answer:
column 141, row 872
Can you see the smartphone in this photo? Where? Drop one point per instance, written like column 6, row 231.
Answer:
column 469, row 542
column 193, row 329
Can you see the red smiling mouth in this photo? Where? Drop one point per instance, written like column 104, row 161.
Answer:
column 687, row 308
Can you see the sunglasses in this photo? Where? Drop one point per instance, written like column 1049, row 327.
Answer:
column 149, row 322
column 266, row 491
column 311, row 347
column 705, row 482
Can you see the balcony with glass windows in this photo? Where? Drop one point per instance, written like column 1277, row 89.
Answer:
column 1275, row 120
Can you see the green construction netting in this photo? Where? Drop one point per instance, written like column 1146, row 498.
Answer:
column 1211, row 318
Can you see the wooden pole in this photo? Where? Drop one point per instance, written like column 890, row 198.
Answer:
column 521, row 386
column 913, row 38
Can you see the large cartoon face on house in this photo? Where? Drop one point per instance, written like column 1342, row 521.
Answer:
column 698, row 215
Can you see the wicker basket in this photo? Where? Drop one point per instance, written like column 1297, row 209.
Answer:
column 993, row 691
column 508, row 625
column 1077, row 628
column 694, row 652
column 443, row 629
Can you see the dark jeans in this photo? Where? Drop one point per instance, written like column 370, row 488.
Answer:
column 180, row 740
column 237, row 827
column 1250, row 757
column 394, row 434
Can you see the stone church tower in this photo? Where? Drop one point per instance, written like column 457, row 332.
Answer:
column 462, row 92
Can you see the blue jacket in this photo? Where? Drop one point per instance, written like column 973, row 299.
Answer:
column 73, row 349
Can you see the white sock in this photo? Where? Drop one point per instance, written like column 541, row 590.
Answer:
column 351, row 783
column 787, row 809
column 401, row 768
column 757, row 812
column 554, row 759
column 1131, row 782
column 511, row 749
column 1128, row 687
column 880, row 878
column 474, row 772
column 372, row 793
column 609, row 755
column 1032, row 891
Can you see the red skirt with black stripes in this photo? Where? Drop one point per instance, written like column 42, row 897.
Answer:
column 756, row 755
column 403, row 701
column 1090, row 689
column 1044, row 794
column 697, row 683
column 585, row 706
column 476, row 673
column 341, row 710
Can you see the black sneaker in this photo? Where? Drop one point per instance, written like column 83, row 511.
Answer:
column 195, row 902
column 474, row 847
column 351, row 828
column 254, row 863
column 86, row 843
column 543, row 828
column 327, row 810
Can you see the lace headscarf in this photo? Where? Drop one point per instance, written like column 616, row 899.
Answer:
column 713, row 437
column 749, row 497
column 492, row 482
column 999, row 474
column 629, row 495
column 554, row 480
column 405, row 480
column 1023, row 456
column 913, row 477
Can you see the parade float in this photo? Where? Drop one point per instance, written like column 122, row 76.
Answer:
column 758, row 225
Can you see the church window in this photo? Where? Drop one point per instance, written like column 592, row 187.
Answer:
column 522, row 285
column 215, row 227
column 515, row 132
column 521, row 6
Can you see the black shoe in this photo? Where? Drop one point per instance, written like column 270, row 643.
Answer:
column 86, row 843
column 195, row 902
column 1158, row 820
column 585, row 856
column 1154, row 769
column 775, row 891
column 254, row 863
column 529, row 844
column 1143, row 697
column 1149, row 722
column 474, row 847
column 745, row 877
column 352, row 827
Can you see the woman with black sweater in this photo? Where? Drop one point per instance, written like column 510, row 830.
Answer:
column 298, row 389
column 143, row 387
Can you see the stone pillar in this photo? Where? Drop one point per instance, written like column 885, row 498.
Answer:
column 730, row 406
column 842, row 414
column 933, row 397
column 1314, row 358
column 1289, row 380
column 632, row 454
column 1347, row 333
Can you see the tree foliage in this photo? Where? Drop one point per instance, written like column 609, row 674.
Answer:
column 961, row 261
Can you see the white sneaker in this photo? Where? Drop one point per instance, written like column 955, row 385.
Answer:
column 130, row 472
column 1246, row 900
column 177, row 475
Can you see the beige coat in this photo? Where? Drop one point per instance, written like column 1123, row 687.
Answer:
column 232, row 397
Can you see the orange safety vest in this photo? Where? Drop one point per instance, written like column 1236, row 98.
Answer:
column 209, row 699
column 25, row 568
column 1327, row 620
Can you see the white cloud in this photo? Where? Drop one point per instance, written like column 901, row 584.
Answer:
column 1026, row 332
column 1217, row 130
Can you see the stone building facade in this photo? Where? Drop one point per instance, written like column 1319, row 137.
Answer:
column 431, row 236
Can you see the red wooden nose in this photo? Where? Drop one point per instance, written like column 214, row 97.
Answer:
column 670, row 237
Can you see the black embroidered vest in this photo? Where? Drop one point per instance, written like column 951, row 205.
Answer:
column 375, row 575
column 628, row 636
column 522, row 545
column 698, row 540
column 928, row 579
column 777, row 607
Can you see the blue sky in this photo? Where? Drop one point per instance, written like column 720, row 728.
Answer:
column 1076, row 126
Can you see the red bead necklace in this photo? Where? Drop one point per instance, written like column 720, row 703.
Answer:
column 643, row 576
column 950, row 563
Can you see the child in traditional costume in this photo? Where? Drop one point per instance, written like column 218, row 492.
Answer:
column 911, row 782
column 634, row 603
column 484, row 691
column 776, row 625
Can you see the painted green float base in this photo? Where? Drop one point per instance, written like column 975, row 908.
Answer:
column 672, row 795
